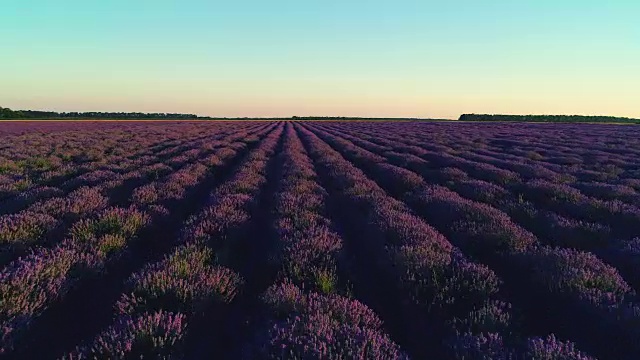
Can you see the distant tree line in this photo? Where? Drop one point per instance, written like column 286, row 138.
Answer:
column 549, row 118
column 6, row 113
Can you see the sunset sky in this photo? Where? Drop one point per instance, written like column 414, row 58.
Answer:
column 398, row 58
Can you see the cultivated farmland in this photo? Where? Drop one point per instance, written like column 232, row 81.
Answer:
column 319, row 240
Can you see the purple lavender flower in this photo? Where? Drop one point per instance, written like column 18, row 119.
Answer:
column 550, row 348
column 157, row 335
column 183, row 282
column 319, row 326
column 489, row 346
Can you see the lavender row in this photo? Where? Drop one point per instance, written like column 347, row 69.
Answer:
column 443, row 295
column 204, row 287
column 227, row 207
column 593, row 147
column 308, row 247
column 553, row 228
column 305, row 317
column 49, row 165
column 319, row 326
column 579, row 284
column 116, row 169
column 179, row 290
column 540, row 182
column 108, row 175
column 156, row 194
column 34, row 283
column 30, row 285
column 43, row 158
column 550, row 227
column 152, row 319
column 494, row 314
column 522, row 156
column 45, row 222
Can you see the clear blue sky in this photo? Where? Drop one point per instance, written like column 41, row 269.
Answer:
column 359, row 58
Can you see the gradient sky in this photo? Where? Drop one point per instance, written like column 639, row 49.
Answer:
column 355, row 58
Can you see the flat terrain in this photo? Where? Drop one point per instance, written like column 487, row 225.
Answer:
column 319, row 240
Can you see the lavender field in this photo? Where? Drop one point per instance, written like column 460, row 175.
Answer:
column 319, row 240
